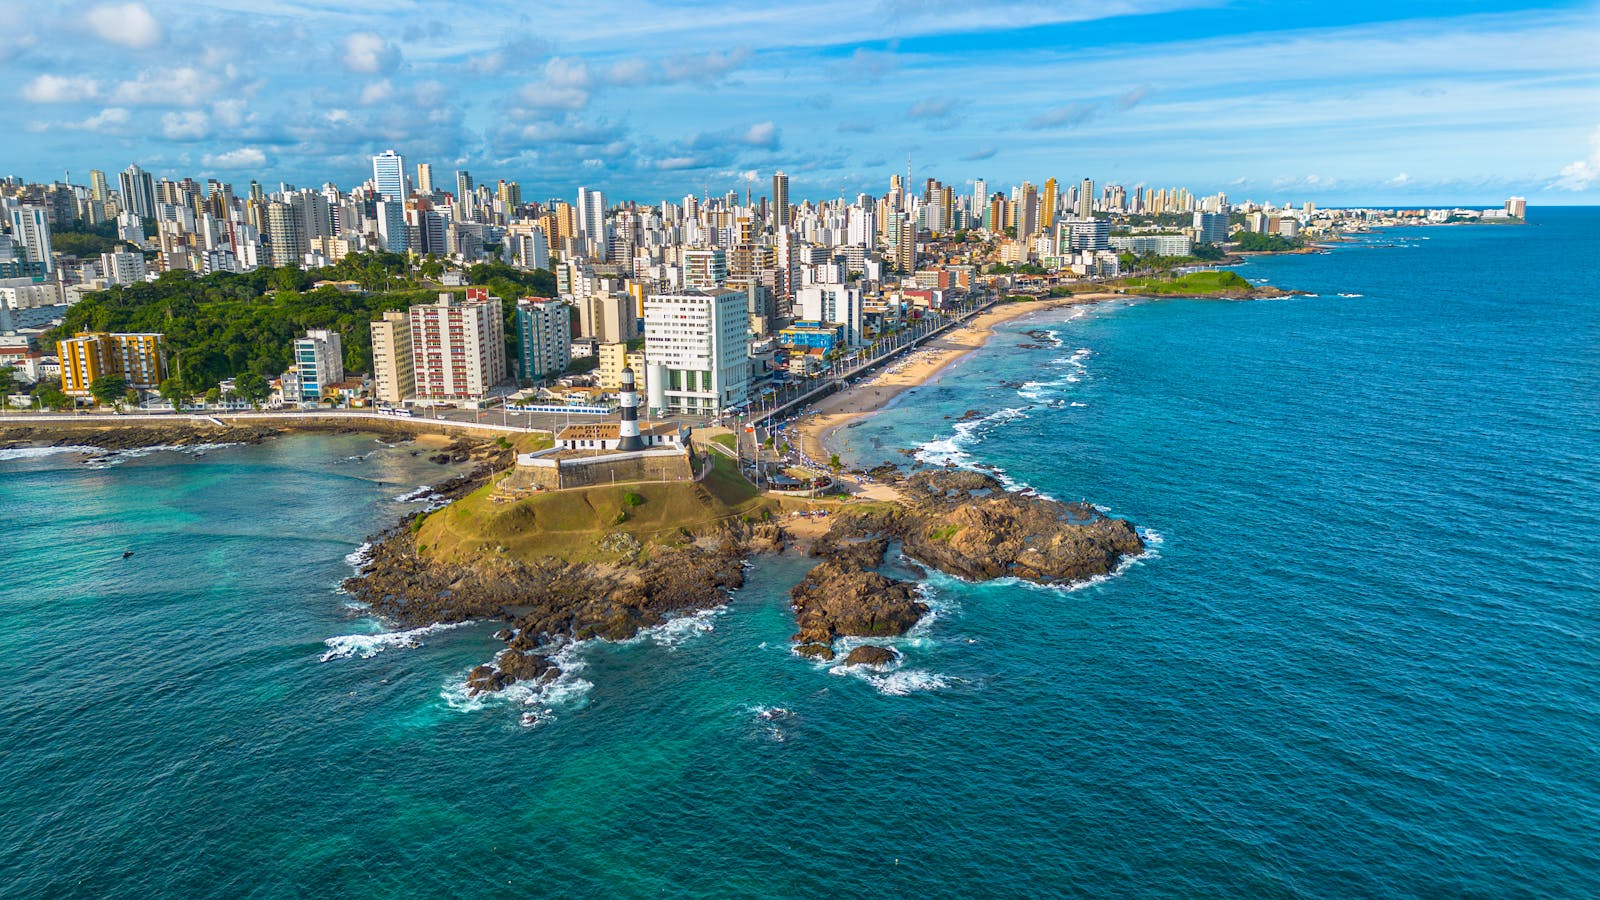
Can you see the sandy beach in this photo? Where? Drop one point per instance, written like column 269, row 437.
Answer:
column 913, row 369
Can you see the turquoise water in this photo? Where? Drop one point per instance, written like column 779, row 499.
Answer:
column 1362, row 659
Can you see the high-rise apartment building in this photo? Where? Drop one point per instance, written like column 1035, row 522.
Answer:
column 592, row 219
column 424, row 178
column 835, row 304
column 1210, row 228
column 780, row 200
column 697, row 351
column 1086, row 199
column 318, row 363
column 286, row 232
column 30, row 229
column 704, row 268
column 458, row 347
column 392, row 378
column 138, row 192
column 140, row 358
column 99, row 190
column 389, row 176
column 464, row 196
column 122, row 267
column 544, row 338
column 1047, row 205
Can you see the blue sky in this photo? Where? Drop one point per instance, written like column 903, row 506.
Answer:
column 1337, row 103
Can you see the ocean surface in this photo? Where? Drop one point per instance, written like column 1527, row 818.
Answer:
column 1361, row 659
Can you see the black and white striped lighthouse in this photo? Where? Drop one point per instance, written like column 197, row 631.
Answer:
column 628, row 431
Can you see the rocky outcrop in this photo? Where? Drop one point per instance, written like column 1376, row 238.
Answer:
column 870, row 655
column 840, row 599
column 508, row 668
column 108, row 436
column 966, row 524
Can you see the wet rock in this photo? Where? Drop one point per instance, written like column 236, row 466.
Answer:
column 815, row 651
column 836, row 600
column 870, row 655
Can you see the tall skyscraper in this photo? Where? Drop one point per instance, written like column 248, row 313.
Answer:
column 389, row 175
column 318, row 363
column 286, row 232
column 1086, row 199
column 1047, row 205
column 30, row 228
column 592, row 218
column 780, row 200
column 980, row 196
column 424, row 178
column 138, row 192
column 98, row 189
column 464, row 196
column 1027, row 211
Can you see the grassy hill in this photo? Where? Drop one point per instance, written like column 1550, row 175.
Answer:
column 1194, row 284
column 573, row 524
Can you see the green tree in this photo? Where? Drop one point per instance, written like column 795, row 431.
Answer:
column 253, row 388
column 51, row 396
column 173, row 392
column 834, row 463
column 8, row 384
column 110, row 390
column 214, row 395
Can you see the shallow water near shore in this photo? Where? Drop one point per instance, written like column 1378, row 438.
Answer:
column 1361, row 659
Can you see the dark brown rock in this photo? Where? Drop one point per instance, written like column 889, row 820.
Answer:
column 870, row 655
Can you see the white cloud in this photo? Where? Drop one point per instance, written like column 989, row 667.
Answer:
column 368, row 53
column 1584, row 173
column 242, row 158
column 124, row 24
column 59, row 89
column 229, row 112
column 377, row 92
column 181, row 86
column 764, row 134
column 188, row 125
column 106, row 121
column 1400, row 180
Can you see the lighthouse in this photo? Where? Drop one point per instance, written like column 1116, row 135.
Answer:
column 628, row 431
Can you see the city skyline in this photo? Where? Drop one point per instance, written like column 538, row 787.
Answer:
column 1362, row 104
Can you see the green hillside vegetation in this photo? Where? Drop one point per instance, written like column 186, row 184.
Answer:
column 225, row 325
column 573, row 525
column 1194, row 284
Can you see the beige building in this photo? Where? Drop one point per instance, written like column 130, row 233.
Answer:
column 458, row 348
column 614, row 357
column 392, row 377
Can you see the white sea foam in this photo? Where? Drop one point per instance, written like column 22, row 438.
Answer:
column 672, row 633
column 107, row 459
column 38, row 452
column 358, row 558
column 539, row 701
column 366, row 646
column 904, row 682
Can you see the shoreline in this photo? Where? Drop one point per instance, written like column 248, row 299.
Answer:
column 923, row 366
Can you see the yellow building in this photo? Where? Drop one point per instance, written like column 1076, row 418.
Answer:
column 140, row 358
column 615, row 357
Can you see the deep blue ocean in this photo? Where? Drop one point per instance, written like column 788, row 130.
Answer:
column 1361, row 659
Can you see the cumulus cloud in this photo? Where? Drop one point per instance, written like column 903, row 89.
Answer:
column 124, row 24
column 242, row 158
column 1069, row 116
column 764, row 134
column 188, row 125
column 1582, row 174
column 60, row 89
column 704, row 67
column 1400, row 180
column 377, row 92
column 229, row 112
column 370, row 54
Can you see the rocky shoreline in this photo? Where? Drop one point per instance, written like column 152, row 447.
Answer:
column 117, row 436
column 960, row 522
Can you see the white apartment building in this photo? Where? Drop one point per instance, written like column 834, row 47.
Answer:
column 458, row 348
column 704, row 269
column 836, row 304
column 697, row 351
column 122, row 267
